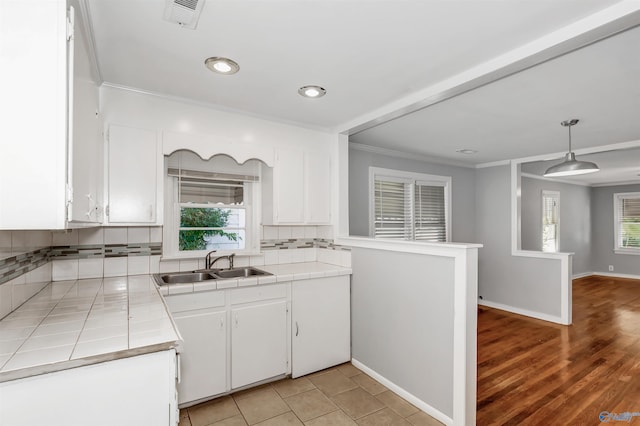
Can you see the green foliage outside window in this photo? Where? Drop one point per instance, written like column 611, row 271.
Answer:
column 193, row 239
column 631, row 234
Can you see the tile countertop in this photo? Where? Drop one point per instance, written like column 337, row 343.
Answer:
column 74, row 323
column 281, row 273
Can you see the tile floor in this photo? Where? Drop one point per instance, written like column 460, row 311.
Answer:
column 338, row 396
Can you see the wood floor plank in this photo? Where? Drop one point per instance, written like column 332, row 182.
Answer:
column 532, row 372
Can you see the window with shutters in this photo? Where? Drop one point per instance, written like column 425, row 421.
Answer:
column 627, row 222
column 409, row 206
column 550, row 221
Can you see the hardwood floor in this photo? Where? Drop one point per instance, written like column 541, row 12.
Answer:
column 532, row 372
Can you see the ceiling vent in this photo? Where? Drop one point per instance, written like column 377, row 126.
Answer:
column 183, row 12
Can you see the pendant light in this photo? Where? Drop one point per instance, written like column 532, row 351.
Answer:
column 570, row 166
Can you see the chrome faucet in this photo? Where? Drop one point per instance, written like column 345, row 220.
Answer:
column 209, row 262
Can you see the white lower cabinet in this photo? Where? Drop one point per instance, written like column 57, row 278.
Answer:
column 203, row 358
column 237, row 337
column 321, row 324
column 258, row 342
column 139, row 390
column 231, row 338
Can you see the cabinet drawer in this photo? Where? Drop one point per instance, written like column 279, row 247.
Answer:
column 195, row 301
column 261, row 292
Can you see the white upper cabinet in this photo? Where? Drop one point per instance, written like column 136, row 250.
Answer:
column 297, row 190
column 134, row 176
column 85, row 137
column 38, row 170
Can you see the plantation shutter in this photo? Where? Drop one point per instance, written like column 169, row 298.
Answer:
column 430, row 213
column 392, row 209
column 629, row 222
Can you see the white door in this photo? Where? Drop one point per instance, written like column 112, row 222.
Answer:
column 321, row 324
column 203, row 358
column 258, row 342
column 132, row 167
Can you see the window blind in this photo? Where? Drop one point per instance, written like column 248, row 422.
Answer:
column 629, row 222
column 408, row 210
column 392, row 209
column 430, row 223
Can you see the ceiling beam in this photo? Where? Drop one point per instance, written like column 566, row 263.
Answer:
column 598, row 26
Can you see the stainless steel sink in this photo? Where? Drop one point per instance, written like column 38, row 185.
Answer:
column 209, row 274
column 185, row 277
column 240, row 272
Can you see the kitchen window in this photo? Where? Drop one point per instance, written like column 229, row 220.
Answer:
column 210, row 210
column 409, row 206
column 550, row 221
column 627, row 222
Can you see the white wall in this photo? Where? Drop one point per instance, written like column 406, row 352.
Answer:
column 603, row 231
column 526, row 285
column 462, row 191
column 575, row 219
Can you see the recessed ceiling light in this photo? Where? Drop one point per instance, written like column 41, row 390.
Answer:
column 312, row 91
column 466, row 151
column 222, row 65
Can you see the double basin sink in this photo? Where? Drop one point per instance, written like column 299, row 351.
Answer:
column 208, row 274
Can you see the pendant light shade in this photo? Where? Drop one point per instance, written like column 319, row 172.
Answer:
column 570, row 166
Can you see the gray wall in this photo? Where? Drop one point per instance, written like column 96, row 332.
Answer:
column 530, row 284
column 402, row 321
column 602, row 229
column 575, row 219
column 462, row 191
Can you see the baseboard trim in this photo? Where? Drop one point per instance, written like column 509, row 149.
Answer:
column 582, row 275
column 436, row 414
column 615, row 275
column 520, row 311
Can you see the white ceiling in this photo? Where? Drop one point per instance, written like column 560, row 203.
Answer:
column 372, row 55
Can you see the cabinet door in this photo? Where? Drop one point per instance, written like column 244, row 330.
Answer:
column 203, row 359
column 288, row 192
column 85, row 138
column 317, row 188
column 133, row 166
column 321, row 324
column 258, row 342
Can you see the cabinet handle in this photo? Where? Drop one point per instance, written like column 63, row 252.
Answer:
column 236, row 320
column 297, row 329
column 221, row 322
column 151, row 211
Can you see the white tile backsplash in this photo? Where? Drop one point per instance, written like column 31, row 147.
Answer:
column 5, row 239
column 284, row 232
column 66, row 269
column 270, row 232
column 137, row 265
column 65, row 238
column 154, row 264
column 6, row 291
column 297, row 232
column 155, row 234
column 271, row 257
column 188, row 265
column 297, row 255
column 91, row 236
column 310, row 232
column 37, row 238
column 256, row 260
column 116, row 235
column 169, row 265
column 284, row 256
column 310, row 254
column 138, row 234
column 115, row 266
column 90, row 268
